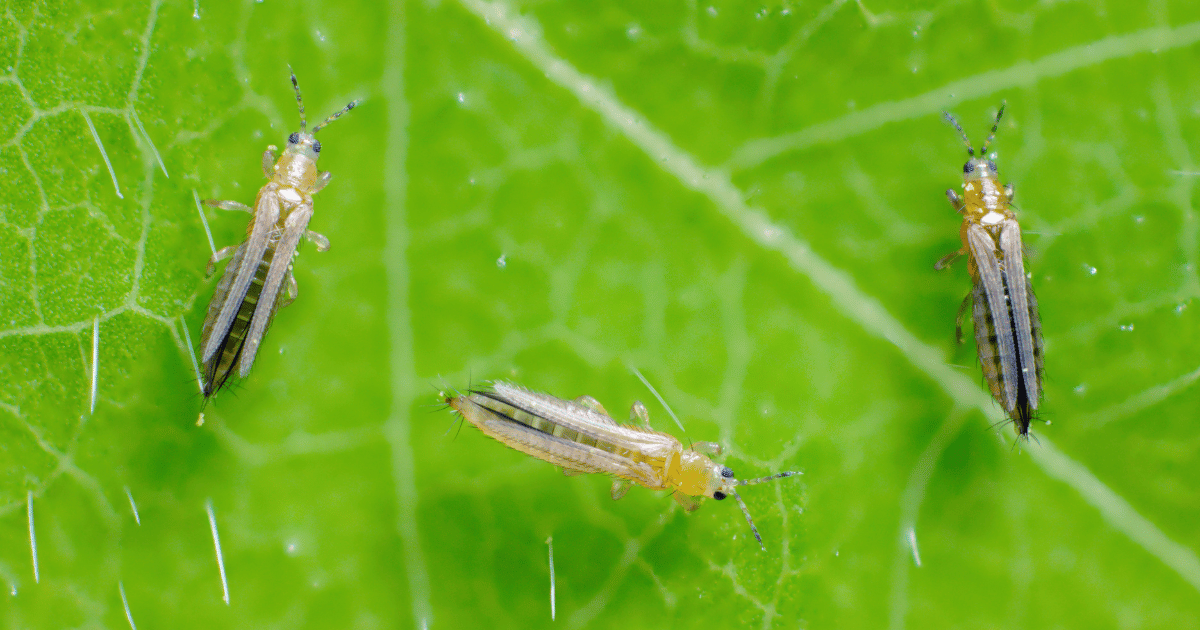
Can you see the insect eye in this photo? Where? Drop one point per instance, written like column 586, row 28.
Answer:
column 726, row 473
column 968, row 167
column 992, row 166
column 316, row 146
column 718, row 495
column 294, row 138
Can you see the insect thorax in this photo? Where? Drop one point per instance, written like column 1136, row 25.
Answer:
column 297, row 170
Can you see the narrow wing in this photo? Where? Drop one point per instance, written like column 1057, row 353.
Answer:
column 550, row 448
column 220, row 292
column 281, row 264
column 579, row 418
column 1024, row 312
column 266, row 213
column 990, row 287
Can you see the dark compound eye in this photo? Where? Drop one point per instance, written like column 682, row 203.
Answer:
column 968, row 167
column 718, row 495
column 294, row 138
column 316, row 146
column 726, row 473
column 992, row 166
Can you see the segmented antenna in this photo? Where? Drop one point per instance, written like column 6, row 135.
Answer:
column 995, row 126
column 746, row 510
column 751, row 482
column 336, row 115
column 299, row 101
column 967, row 141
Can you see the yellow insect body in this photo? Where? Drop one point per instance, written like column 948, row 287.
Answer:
column 1008, row 331
column 581, row 437
column 251, row 289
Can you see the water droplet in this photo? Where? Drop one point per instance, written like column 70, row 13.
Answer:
column 1080, row 389
column 502, row 261
column 461, row 98
column 1180, row 308
column 320, row 36
column 1127, row 327
column 1089, row 269
column 1139, row 219
column 633, row 31
column 712, row 11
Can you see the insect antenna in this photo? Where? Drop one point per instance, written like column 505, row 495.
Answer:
column 995, row 126
column 751, row 482
column 746, row 510
column 954, row 121
column 299, row 101
column 336, row 115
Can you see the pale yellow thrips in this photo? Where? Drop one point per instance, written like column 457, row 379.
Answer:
column 252, row 288
column 1008, row 329
column 581, row 437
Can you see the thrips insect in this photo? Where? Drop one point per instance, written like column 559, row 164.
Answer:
column 1008, row 332
column 581, row 437
column 252, row 288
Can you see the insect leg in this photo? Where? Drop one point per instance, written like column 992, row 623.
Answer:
column 955, row 200
column 689, row 503
column 228, row 205
column 317, row 239
column 591, row 403
column 948, row 259
column 1009, row 193
column 268, row 161
column 711, row 449
column 293, row 291
column 218, row 256
column 620, row 487
column 958, row 321
column 322, row 181
column 571, row 472
column 639, row 416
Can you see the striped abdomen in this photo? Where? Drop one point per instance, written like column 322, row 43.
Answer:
column 1022, row 407
column 220, row 367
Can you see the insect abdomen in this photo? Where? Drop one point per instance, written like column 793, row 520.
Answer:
column 512, row 413
column 1021, row 408
column 219, row 368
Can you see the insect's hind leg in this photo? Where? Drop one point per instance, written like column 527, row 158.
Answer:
column 228, row 205
column 948, row 259
column 293, row 290
column 218, row 256
column 958, row 321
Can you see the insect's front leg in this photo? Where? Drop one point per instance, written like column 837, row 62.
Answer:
column 318, row 239
column 322, row 181
column 955, row 200
column 689, row 503
column 228, row 205
column 218, row 256
column 268, row 161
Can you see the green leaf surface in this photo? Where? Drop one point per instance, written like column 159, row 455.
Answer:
column 743, row 201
